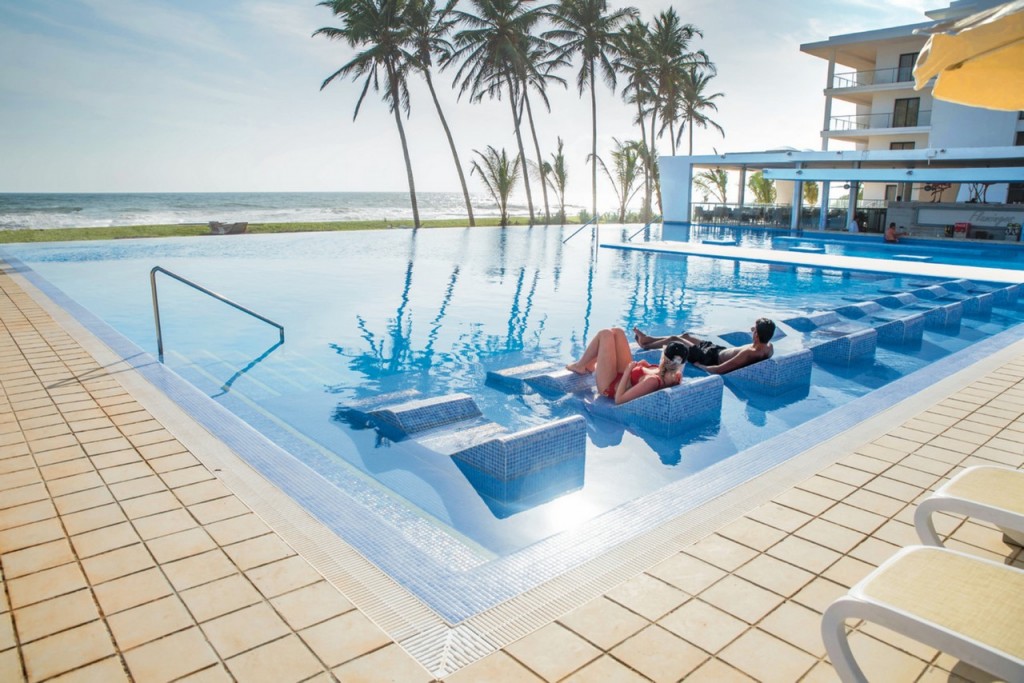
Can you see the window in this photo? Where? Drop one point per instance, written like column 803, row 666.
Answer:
column 901, row 145
column 890, row 193
column 905, row 112
column 905, row 72
column 1020, row 138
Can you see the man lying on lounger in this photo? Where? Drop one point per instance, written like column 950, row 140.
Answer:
column 715, row 359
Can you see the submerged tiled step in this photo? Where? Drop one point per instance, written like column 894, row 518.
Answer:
column 667, row 411
column 421, row 414
column 511, row 456
column 834, row 341
column 541, row 376
column 893, row 326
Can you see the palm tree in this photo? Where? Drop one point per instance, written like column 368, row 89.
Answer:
column 499, row 175
column 627, row 161
column 557, row 174
column 430, row 26
column 714, row 182
column 496, row 48
column 587, row 28
column 634, row 62
column 763, row 188
column 696, row 101
column 670, row 58
column 544, row 73
column 381, row 30
column 811, row 193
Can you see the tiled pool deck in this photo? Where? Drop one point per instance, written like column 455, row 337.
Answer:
column 125, row 557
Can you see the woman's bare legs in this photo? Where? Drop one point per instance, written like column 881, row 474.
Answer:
column 608, row 352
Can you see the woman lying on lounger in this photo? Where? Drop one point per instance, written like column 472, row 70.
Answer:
column 621, row 378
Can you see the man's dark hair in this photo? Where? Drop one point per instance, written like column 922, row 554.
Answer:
column 765, row 329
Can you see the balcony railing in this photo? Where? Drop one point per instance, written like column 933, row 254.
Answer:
column 856, row 79
column 889, row 120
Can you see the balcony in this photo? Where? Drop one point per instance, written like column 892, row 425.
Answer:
column 857, row 79
column 863, row 122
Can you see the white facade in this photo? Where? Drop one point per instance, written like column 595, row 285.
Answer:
column 871, row 104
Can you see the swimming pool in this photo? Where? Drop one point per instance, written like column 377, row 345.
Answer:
column 433, row 311
column 989, row 254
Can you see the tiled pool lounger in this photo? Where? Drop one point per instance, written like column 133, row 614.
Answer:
column 127, row 551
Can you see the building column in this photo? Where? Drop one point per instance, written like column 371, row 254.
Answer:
column 798, row 197
column 828, row 103
column 743, row 185
column 851, row 209
column 823, row 200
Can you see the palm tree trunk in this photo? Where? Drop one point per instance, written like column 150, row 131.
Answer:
column 672, row 136
column 451, row 143
column 522, row 150
column 540, row 162
column 593, row 146
column 690, row 123
column 647, row 161
column 405, row 148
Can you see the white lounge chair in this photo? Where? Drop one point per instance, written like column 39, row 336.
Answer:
column 966, row 606
column 993, row 494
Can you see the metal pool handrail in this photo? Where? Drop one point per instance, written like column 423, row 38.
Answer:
column 204, row 290
column 592, row 220
column 630, row 238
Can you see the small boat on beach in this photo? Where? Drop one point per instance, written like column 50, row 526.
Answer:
column 217, row 228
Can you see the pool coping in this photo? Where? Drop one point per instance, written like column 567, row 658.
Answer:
column 440, row 647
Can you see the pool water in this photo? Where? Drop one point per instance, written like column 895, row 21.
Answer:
column 370, row 313
column 991, row 254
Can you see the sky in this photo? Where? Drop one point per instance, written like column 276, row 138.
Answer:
column 200, row 96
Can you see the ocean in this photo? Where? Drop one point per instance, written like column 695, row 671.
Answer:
column 47, row 211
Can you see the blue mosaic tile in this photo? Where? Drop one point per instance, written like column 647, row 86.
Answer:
column 510, row 456
column 777, row 374
column 422, row 414
column 561, row 381
column 667, row 411
column 514, row 379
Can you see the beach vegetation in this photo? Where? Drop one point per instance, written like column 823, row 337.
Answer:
column 381, row 31
column 499, row 175
column 430, row 29
column 810, row 193
column 697, row 101
column 539, row 79
column 714, row 182
column 763, row 188
column 625, row 174
column 671, row 60
column 556, row 172
column 497, row 47
column 589, row 29
column 634, row 63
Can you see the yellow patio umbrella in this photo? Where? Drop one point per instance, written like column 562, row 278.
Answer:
column 979, row 60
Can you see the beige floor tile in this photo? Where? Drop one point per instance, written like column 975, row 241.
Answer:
column 775, row 575
column 30, row 535
column 495, row 667
column 866, row 463
column 874, row 551
column 154, row 503
column 104, row 540
column 830, row 535
column 67, row 650
column 892, row 488
column 344, row 637
column 117, row 563
column 647, row 596
column 23, row 495
column 283, row 576
column 281, row 661
column 897, row 533
column 874, row 502
column 219, row 597
column 804, row 501
column 74, row 484
column 199, row 569
column 236, row 529
column 136, row 488
column 216, row 510
column 717, row 671
column 797, row 625
column 181, row 545
column 7, row 639
column 26, row 514
column 779, row 516
column 687, row 573
column 824, row 673
column 659, row 655
column 911, row 476
column 170, row 658
column 109, row 670
column 603, row 622
column 804, row 554
column 310, row 605
column 93, row 518
column 176, row 460
column 854, row 518
column 926, row 465
column 387, row 665
column 46, row 584
column 829, row 488
column 819, row 594
column 721, row 552
column 258, row 551
column 37, row 558
column 215, row 674
column 741, row 598
column 201, row 492
column 751, row 533
column 83, row 500
column 50, row 616
column 150, row 621
column 880, row 661
column 129, row 591
column 164, row 523
column 899, row 641
column 766, row 658
column 245, row 629
column 700, row 624
column 150, row 437
column 183, row 477
column 68, row 468
column 98, row 445
column 605, row 669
